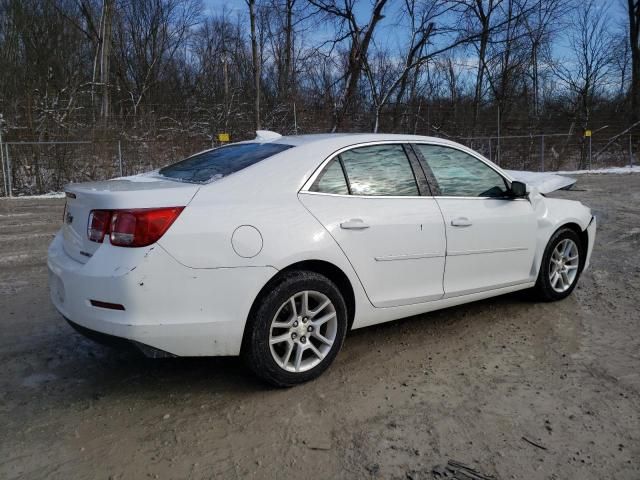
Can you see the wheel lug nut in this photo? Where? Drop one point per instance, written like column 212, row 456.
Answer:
column 303, row 339
column 310, row 329
column 294, row 336
column 304, row 320
column 295, row 324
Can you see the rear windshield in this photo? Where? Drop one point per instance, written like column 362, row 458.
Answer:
column 220, row 162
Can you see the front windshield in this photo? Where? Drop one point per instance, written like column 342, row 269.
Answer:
column 220, row 162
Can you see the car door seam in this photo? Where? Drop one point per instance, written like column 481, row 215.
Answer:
column 366, row 294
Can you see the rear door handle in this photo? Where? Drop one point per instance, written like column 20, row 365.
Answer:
column 354, row 224
column 461, row 222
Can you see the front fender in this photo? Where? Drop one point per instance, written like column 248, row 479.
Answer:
column 552, row 214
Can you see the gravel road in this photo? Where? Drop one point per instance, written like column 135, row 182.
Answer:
column 512, row 388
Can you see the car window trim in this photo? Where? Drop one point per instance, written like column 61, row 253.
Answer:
column 424, row 188
column 425, row 164
column 429, row 177
column 345, row 177
column 344, row 173
column 322, row 167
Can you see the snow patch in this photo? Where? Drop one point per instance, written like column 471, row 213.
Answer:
column 44, row 195
column 615, row 170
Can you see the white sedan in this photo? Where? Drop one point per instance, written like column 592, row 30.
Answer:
column 274, row 248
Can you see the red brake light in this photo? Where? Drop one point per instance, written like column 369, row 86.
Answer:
column 131, row 228
column 139, row 228
column 98, row 227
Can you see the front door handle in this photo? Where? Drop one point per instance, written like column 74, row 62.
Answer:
column 354, row 224
column 461, row 222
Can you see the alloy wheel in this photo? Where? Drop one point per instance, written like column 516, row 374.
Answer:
column 563, row 265
column 303, row 331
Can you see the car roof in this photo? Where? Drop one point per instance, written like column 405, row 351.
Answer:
column 345, row 139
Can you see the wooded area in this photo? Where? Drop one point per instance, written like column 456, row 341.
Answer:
column 175, row 73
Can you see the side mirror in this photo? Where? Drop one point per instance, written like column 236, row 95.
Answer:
column 518, row 189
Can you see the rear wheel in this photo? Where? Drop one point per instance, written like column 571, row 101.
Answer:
column 561, row 266
column 296, row 330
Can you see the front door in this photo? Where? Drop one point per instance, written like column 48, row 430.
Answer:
column 369, row 201
column 491, row 238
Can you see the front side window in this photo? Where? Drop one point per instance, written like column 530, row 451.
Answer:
column 217, row 163
column 379, row 170
column 461, row 175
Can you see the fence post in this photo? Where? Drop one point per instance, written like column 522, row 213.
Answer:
column 120, row 156
column 542, row 153
column 8, row 169
column 295, row 119
column 590, row 152
column 498, row 151
column 4, row 174
column 630, row 152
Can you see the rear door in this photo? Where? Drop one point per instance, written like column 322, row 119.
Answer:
column 491, row 237
column 378, row 208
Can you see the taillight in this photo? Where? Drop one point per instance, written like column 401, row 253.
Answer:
column 98, row 227
column 132, row 228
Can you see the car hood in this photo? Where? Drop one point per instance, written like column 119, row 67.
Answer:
column 545, row 182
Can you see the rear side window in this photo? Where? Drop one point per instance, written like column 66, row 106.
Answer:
column 331, row 180
column 379, row 170
column 220, row 162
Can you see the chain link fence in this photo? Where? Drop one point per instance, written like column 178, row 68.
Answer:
column 31, row 168
column 557, row 152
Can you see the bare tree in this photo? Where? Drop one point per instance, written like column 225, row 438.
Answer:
column 591, row 43
column 359, row 37
column 585, row 72
column 148, row 35
column 255, row 57
column 634, row 42
column 394, row 80
column 539, row 24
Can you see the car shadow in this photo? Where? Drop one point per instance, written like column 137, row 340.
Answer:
column 90, row 371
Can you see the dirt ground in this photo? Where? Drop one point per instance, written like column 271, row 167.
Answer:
column 467, row 383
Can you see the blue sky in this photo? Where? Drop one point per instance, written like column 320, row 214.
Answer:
column 390, row 35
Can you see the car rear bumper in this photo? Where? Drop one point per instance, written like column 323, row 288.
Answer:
column 165, row 305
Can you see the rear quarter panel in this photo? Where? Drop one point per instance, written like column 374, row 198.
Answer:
column 264, row 196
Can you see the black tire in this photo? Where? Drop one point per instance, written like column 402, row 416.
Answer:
column 543, row 289
column 256, row 351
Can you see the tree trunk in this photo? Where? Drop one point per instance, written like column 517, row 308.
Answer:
column 288, row 50
column 357, row 58
column 105, row 59
column 256, row 63
column 485, row 22
column 634, row 38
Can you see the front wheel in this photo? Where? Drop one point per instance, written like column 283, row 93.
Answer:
column 561, row 266
column 296, row 330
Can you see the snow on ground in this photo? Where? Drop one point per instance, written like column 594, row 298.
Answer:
column 633, row 169
column 44, row 195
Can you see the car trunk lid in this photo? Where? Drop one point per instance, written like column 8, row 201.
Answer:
column 141, row 191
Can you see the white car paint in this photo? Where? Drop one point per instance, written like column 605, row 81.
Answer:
column 191, row 292
column 545, row 182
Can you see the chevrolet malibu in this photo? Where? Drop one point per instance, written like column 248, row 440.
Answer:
column 274, row 248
